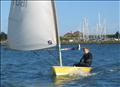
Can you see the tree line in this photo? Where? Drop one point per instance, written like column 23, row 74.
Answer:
column 3, row 36
column 75, row 35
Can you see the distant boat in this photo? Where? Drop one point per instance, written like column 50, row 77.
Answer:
column 32, row 26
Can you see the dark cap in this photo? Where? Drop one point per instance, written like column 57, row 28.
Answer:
column 86, row 48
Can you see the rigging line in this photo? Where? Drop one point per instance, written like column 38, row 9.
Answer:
column 50, row 56
column 36, row 53
column 54, row 59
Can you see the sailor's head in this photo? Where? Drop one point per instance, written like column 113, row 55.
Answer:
column 86, row 50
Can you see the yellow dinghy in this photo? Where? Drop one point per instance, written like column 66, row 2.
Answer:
column 67, row 70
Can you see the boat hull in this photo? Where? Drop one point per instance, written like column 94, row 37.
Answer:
column 67, row 70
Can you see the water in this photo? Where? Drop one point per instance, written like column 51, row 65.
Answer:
column 33, row 68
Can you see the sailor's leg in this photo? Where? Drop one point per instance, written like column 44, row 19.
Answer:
column 77, row 64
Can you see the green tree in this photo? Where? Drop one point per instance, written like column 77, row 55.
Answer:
column 3, row 36
column 117, row 34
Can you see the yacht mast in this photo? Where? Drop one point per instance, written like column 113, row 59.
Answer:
column 57, row 34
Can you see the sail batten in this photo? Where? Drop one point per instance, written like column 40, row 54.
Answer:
column 31, row 25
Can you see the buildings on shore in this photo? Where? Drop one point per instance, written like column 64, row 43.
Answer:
column 77, row 36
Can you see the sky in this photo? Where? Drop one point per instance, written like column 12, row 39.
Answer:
column 71, row 13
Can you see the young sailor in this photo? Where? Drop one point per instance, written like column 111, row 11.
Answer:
column 86, row 59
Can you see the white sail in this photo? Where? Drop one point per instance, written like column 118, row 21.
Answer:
column 31, row 25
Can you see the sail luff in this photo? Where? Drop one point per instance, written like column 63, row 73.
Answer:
column 57, row 34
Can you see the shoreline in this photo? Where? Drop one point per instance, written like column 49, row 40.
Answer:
column 81, row 42
column 91, row 42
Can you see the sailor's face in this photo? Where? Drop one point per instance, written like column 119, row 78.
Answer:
column 85, row 51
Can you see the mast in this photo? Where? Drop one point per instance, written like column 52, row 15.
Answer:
column 57, row 34
column 104, row 25
column 85, row 29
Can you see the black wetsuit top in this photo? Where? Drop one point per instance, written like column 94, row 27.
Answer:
column 85, row 61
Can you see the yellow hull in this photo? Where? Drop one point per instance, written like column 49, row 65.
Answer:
column 67, row 70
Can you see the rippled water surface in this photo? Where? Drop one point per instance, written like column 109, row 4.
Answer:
column 33, row 68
